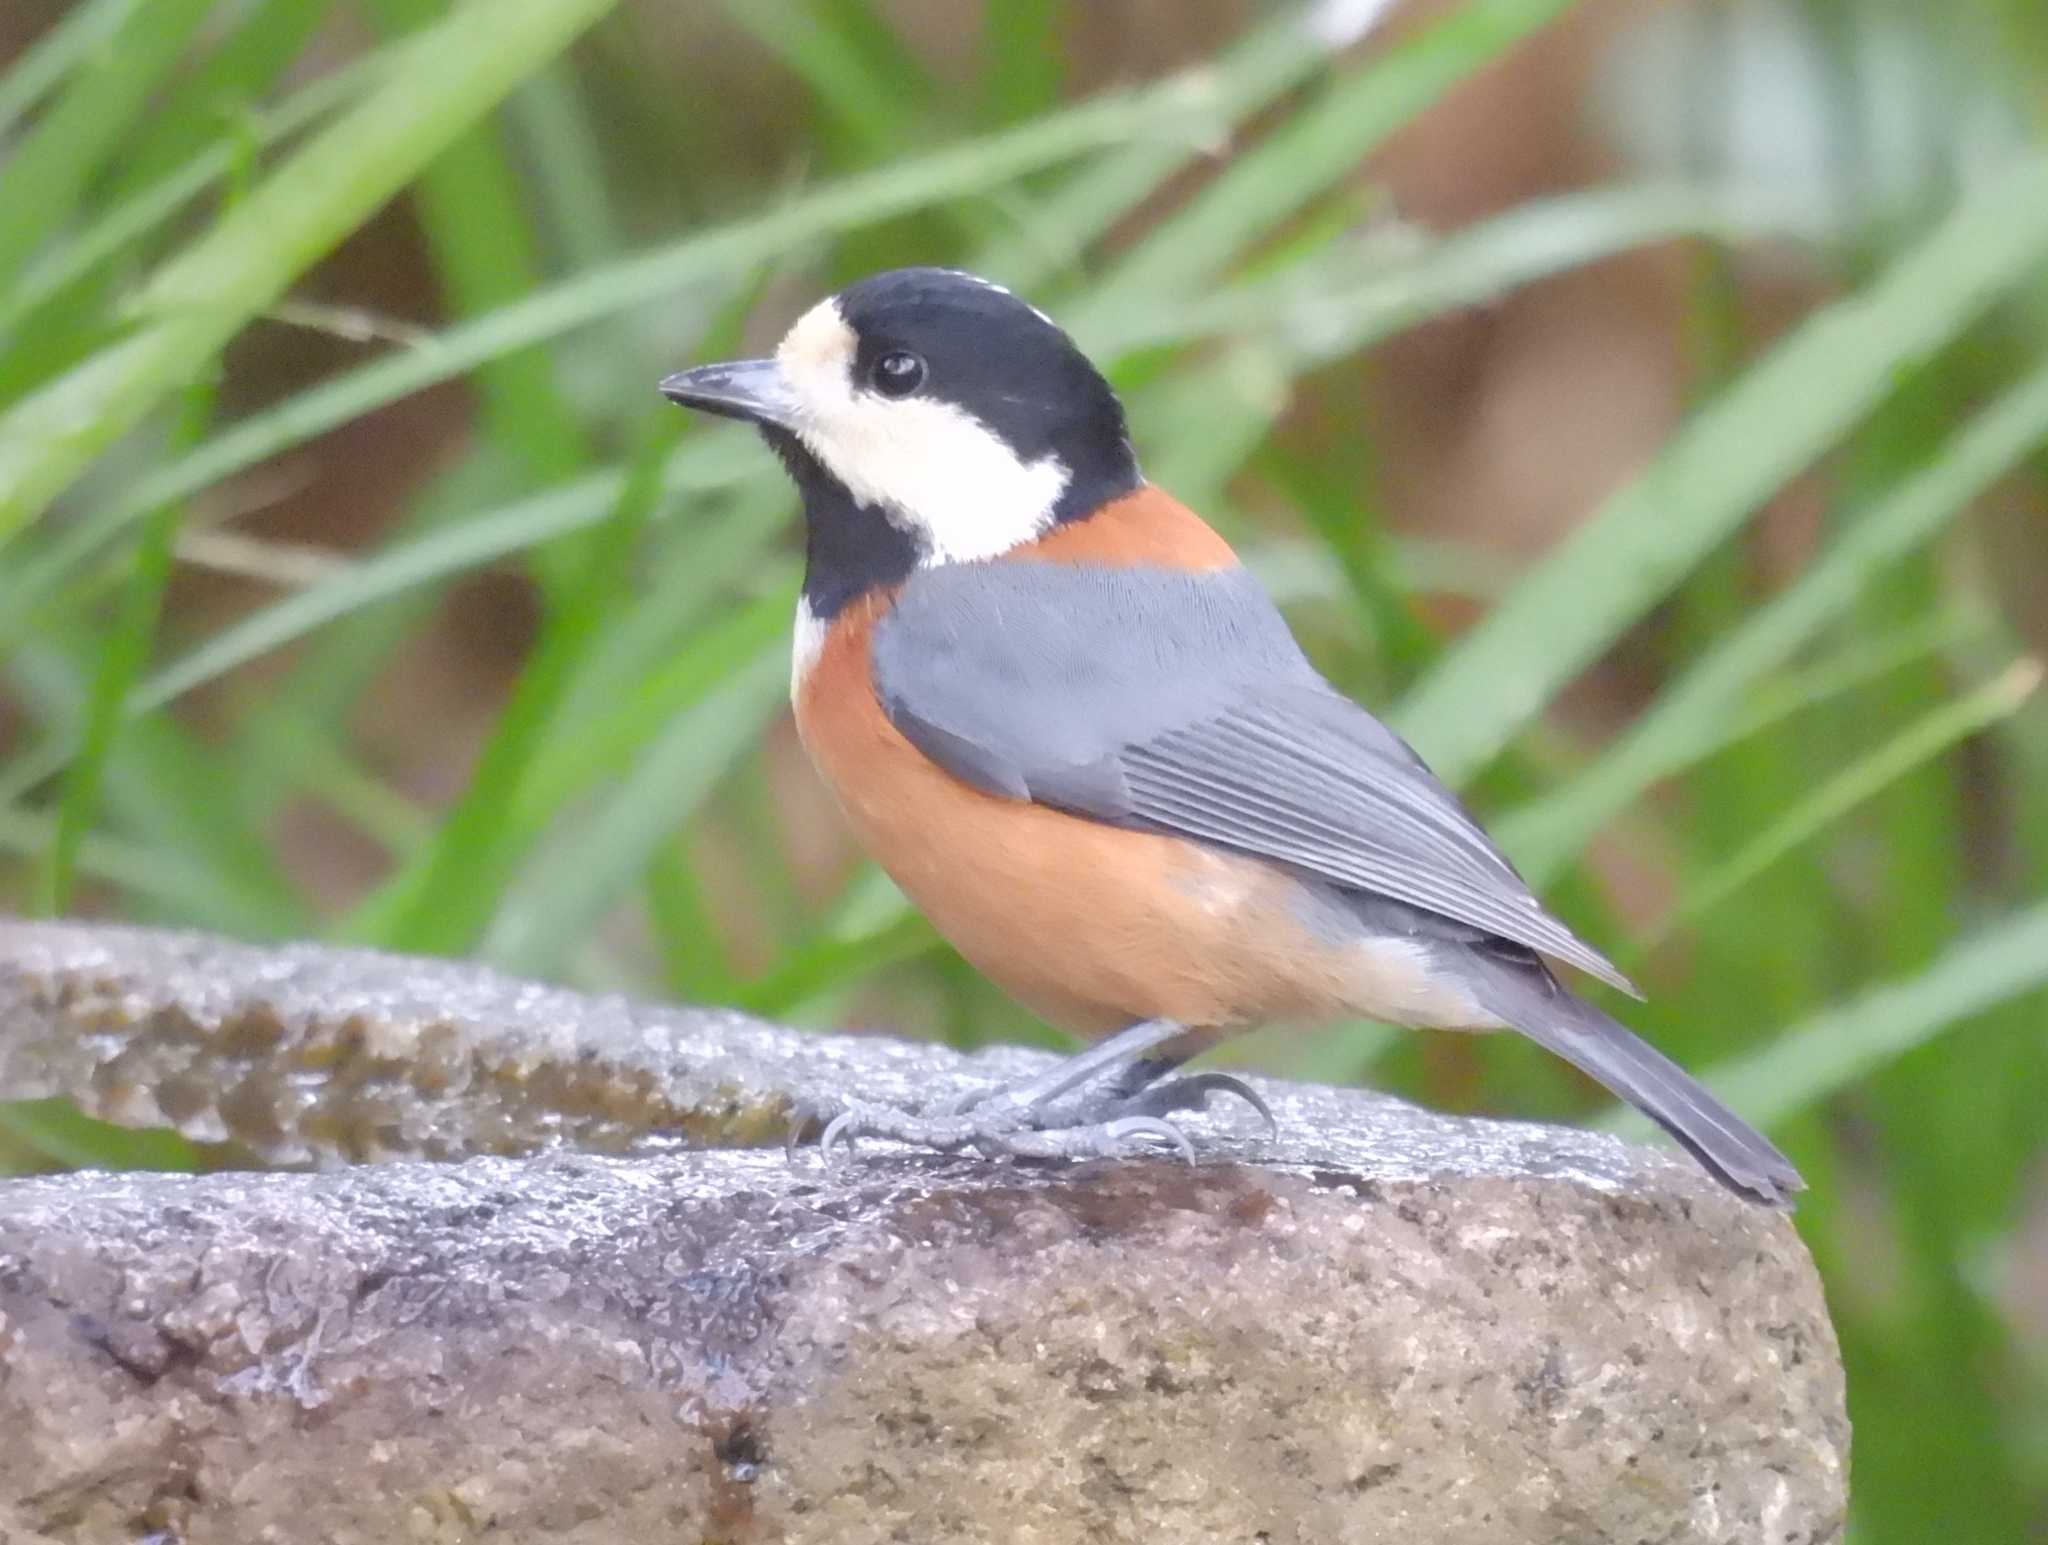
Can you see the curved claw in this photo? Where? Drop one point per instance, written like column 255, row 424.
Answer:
column 1155, row 1127
column 1193, row 1091
column 1098, row 1140
column 837, row 1131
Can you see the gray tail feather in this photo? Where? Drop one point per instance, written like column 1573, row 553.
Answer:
column 1528, row 997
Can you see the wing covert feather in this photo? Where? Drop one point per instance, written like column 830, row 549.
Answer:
column 1180, row 702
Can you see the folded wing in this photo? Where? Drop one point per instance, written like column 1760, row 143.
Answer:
column 1181, row 703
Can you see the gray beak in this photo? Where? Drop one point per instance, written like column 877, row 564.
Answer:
column 751, row 390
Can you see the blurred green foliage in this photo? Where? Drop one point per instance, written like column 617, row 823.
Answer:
column 1839, row 771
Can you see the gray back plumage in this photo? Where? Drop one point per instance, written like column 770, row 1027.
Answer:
column 1178, row 702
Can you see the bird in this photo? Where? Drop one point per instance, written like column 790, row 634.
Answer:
column 1057, row 709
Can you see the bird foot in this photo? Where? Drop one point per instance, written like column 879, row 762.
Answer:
column 1192, row 1093
column 1104, row 1101
column 1020, row 1123
column 1000, row 1132
column 1158, row 1099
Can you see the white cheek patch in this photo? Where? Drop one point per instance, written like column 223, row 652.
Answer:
column 936, row 470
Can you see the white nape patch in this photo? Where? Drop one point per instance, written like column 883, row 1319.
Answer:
column 935, row 469
column 997, row 289
column 806, row 643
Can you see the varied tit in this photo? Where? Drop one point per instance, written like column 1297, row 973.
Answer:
column 1077, row 733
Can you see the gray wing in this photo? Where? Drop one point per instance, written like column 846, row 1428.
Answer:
column 1179, row 702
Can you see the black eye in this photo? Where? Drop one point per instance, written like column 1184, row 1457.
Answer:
column 897, row 373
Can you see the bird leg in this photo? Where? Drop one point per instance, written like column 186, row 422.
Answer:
column 1140, row 1087
column 1034, row 1119
column 1192, row 1093
column 1119, row 1058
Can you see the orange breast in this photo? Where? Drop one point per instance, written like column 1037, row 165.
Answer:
column 1091, row 926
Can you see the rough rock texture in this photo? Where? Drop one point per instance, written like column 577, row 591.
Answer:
column 311, row 1054
column 1386, row 1325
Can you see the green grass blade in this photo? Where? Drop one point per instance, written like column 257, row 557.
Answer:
column 683, row 921
column 123, row 653
column 449, row 77
column 697, row 562
column 1733, row 453
column 431, row 559
column 1211, row 419
column 241, row 69
column 571, row 176
column 1831, row 1051
column 570, row 767
column 870, row 35
column 441, row 902
column 548, row 914
column 1167, row 121
column 399, row 571
column 42, row 182
column 1309, row 318
column 31, row 472
column 1361, row 292
column 1317, row 147
column 1333, row 316
column 55, row 1129
column 164, row 787
column 1050, row 233
column 1598, row 225
column 469, row 201
column 1772, row 706
column 1856, row 664
column 1353, row 531
column 285, row 749
column 75, row 37
column 829, row 963
column 1931, row 736
column 879, row 108
column 146, row 872
column 119, row 231
column 1021, row 62
column 1545, row 836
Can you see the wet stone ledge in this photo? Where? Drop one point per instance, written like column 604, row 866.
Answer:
column 575, row 1304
